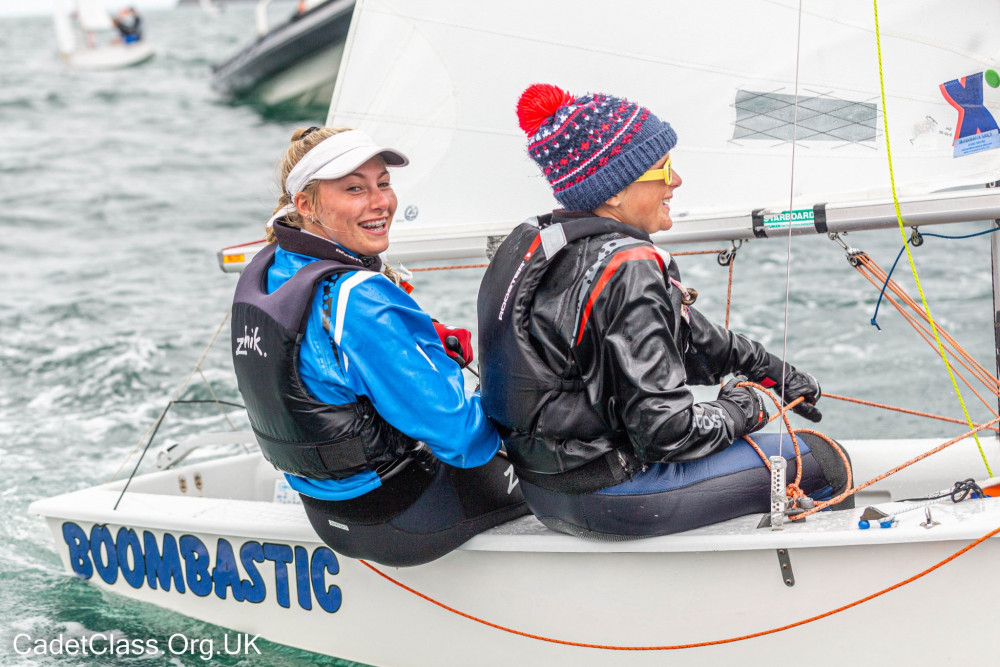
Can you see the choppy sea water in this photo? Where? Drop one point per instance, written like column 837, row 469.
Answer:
column 118, row 188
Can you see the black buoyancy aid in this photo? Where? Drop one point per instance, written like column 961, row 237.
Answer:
column 517, row 384
column 297, row 433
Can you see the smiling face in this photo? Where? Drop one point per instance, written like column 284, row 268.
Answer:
column 354, row 211
column 644, row 205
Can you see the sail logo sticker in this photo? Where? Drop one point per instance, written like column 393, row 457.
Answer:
column 248, row 342
column 977, row 129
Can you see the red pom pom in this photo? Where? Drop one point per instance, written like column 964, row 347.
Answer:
column 539, row 103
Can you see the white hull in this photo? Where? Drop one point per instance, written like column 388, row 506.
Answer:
column 710, row 584
column 113, row 56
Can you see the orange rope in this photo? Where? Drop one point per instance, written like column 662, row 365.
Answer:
column 879, row 478
column 696, row 252
column 837, row 448
column 879, row 278
column 717, row 642
column 963, row 358
column 480, row 266
column 783, row 413
column 448, row 268
column 917, row 413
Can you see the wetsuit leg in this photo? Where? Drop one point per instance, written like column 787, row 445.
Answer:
column 421, row 514
column 672, row 497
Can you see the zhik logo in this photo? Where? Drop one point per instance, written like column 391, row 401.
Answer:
column 511, row 479
column 249, row 341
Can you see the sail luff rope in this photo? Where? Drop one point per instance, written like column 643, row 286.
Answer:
column 909, row 255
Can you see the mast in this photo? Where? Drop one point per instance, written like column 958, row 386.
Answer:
column 995, row 255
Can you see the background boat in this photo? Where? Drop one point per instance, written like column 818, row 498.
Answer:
column 291, row 66
column 86, row 36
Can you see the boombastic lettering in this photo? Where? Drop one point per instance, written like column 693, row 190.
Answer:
column 185, row 565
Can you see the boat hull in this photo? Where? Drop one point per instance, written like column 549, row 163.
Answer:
column 115, row 56
column 295, row 64
column 247, row 563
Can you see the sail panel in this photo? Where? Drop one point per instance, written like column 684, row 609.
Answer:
column 440, row 79
column 93, row 15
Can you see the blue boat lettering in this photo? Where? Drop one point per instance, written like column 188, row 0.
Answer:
column 185, row 564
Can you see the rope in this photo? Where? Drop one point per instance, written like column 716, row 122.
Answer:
column 909, row 255
column 783, row 413
column 883, row 406
column 900, row 254
column 865, row 262
column 449, row 268
column 729, row 640
column 879, row 478
column 481, row 266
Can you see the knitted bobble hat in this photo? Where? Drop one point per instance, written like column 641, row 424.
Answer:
column 591, row 147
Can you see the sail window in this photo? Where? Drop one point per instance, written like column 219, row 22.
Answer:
column 771, row 116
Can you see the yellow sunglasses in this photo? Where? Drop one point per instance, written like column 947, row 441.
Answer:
column 665, row 174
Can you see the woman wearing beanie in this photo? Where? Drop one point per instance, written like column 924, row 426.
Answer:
column 588, row 343
column 348, row 386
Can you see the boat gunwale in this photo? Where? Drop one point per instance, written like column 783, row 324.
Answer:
column 242, row 518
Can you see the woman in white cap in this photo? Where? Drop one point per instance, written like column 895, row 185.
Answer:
column 349, row 388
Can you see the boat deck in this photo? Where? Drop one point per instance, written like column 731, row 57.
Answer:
column 244, row 496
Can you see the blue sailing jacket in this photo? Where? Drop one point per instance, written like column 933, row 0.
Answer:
column 381, row 345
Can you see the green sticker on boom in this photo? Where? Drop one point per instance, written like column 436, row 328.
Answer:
column 799, row 218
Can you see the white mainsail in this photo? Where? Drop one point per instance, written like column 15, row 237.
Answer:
column 93, row 15
column 440, row 80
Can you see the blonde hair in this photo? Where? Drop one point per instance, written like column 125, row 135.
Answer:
column 304, row 140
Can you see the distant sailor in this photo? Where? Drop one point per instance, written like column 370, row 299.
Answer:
column 129, row 25
column 347, row 382
column 588, row 342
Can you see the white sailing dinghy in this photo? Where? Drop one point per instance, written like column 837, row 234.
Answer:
column 79, row 46
column 223, row 540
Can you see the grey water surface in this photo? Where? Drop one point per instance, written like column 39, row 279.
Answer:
column 116, row 191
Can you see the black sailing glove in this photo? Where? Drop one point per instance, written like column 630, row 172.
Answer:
column 744, row 405
column 795, row 384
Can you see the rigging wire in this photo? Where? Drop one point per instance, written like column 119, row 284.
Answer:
column 791, row 197
column 154, row 427
column 909, row 255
